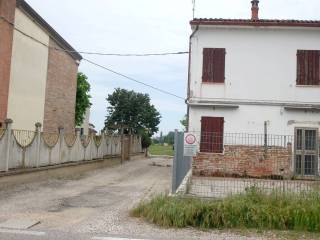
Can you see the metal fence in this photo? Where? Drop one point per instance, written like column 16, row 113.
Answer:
column 230, row 163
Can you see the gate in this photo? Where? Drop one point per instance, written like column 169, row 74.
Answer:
column 181, row 164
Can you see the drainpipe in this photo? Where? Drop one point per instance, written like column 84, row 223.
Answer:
column 189, row 76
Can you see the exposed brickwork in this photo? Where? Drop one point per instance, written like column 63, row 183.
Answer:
column 7, row 10
column 243, row 161
column 61, row 90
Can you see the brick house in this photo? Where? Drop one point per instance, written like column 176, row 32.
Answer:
column 254, row 96
column 38, row 83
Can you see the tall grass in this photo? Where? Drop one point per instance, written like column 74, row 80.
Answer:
column 252, row 209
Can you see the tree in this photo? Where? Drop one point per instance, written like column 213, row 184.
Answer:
column 146, row 140
column 132, row 111
column 184, row 122
column 169, row 138
column 83, row 98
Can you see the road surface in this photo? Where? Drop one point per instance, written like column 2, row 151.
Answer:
column 94, row 206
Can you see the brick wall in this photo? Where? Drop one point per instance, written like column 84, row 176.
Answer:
column 61, row 90
column 240, row 161
column 7, row 9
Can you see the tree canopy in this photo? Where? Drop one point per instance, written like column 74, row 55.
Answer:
column 83, row 98
column 184, row 122
column 132, row 111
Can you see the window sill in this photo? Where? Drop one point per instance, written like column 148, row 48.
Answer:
column 308, row 86
column 212, row 83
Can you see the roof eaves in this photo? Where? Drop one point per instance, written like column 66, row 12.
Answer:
column 254, row 23
column 55, row 35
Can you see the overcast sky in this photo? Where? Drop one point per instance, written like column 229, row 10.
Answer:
column 143, row 26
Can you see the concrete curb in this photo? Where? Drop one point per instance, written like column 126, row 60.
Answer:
column 160, row 156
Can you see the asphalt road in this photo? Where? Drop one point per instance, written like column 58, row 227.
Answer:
column 95, row 206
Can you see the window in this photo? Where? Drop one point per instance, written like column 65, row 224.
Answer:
column 308, row 65
column 306, row 151
column 212, row 134
column 213, row 65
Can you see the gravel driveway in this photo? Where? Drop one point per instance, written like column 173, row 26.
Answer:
column 98, row 203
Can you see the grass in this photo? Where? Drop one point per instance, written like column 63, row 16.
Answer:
column 157, row 149
column 251, row 210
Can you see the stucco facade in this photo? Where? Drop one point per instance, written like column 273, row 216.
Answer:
column 39, row 82
column 260, row 79
column 244, row 73
column 28, row 74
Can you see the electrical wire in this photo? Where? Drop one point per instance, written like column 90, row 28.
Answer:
column 132, row 79
column 97, row 53
column 101, row 66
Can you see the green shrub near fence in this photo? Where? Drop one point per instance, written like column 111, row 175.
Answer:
column 253, row 209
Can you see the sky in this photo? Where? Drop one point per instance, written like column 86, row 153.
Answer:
column 148, row 26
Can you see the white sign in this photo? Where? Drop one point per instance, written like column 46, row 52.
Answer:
column 190, row 145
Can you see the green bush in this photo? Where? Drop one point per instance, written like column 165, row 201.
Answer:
column 253, row 209
column 145, row 140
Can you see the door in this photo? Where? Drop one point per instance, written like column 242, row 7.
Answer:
column 212, row 134
column 306, row 151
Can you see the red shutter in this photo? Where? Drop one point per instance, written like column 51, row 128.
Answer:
column 308, row 62
column 212, row 134
column 213, row 67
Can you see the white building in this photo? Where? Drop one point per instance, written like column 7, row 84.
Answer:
column 247, row 73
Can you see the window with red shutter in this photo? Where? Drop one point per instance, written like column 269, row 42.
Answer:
column 212, row 134
column 308, row 65
column 213, row 66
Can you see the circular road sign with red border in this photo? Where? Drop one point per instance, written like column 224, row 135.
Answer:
column 190, row 139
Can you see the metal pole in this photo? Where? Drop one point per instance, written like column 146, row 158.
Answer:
column 265, row 137
column 175, row 163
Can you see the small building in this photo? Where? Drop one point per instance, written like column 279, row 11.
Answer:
column 38, row 71
column 85, row 126
column 254, row 96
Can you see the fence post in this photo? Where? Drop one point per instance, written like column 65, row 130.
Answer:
column 61, row 135
column 175, row 162
column 8, row 124
column 122, row 145
column 38, row 136
column 77, row 143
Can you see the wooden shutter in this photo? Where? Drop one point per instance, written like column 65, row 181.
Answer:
column 212, row 134
column 308, row 67
column 213, row 68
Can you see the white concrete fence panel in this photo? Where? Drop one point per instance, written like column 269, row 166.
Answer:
column 32, row 149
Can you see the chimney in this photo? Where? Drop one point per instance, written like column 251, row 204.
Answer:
column 255, row 10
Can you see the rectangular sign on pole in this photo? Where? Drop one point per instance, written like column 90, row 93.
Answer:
column 190, row 145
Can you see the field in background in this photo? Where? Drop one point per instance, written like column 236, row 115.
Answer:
column 162, row 150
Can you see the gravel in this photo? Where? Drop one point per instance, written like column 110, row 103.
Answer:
column 99, row 202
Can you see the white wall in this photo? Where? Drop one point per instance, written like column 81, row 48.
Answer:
column 251, row 118
column 86, row 121
column 28, row 74
column 260, row 63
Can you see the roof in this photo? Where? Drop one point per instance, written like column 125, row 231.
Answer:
column 255, row 23
column 53, row 34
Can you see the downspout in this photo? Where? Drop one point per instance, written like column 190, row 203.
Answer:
column 189, row 76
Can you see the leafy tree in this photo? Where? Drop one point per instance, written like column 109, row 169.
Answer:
column 132, row 111
column 184, row 122
column 146, row 140
column 169, row 138
column 83, row 98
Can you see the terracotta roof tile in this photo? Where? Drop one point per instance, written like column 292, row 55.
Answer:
column 260, row 22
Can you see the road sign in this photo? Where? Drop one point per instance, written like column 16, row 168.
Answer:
column 190, row 145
